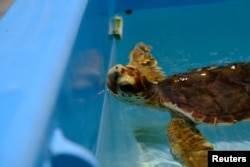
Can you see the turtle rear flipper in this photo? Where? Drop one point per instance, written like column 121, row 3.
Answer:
column 187, row 144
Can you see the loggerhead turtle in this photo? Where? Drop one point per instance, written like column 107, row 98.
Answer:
column 212, row 95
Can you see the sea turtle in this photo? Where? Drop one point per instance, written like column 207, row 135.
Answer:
column 212, row 95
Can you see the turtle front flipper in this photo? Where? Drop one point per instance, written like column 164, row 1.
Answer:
column 187, row 144
column 141, row 58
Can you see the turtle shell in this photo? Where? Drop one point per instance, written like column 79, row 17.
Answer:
column 214, row 95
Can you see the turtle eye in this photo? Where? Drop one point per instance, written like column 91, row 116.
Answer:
column 127, row 87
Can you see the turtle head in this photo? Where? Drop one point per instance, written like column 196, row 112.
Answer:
column 129, row 84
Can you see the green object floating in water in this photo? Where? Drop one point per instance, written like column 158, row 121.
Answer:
column 116, row 27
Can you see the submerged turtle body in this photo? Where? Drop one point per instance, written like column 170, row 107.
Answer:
column 213, row 95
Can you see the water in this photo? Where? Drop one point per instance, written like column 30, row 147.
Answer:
column 182, row 38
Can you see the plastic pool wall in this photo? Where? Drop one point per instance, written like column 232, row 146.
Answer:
column 53, row 72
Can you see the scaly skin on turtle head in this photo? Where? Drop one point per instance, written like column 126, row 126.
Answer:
column 137, row 82
column 128, row 84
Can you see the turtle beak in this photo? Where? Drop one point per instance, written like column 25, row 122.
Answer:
column 113, row 75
